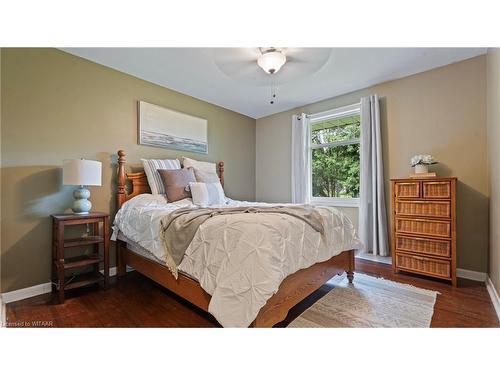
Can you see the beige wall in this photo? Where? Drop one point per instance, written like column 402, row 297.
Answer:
column 57, row 106
column 441, row 112
column 493, row 121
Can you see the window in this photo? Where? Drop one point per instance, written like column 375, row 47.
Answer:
column 335, row 156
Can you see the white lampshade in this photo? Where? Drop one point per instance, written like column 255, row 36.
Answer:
column 82, row 172
column 271, row 61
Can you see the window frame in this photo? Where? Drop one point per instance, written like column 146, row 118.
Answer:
column 340, row 112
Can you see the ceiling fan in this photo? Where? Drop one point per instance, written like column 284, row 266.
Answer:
column 270, row 66
column 271, row 60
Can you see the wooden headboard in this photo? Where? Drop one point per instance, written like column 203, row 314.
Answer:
column 139, row 181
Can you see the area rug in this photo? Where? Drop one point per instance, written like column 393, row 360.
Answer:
column 369, row 303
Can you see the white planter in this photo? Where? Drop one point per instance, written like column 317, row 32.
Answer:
column 421, row 168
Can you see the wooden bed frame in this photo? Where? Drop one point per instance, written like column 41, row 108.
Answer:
column 292, row 290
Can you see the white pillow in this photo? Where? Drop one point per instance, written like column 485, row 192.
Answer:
column 200, row 165
column 207, row 194
column 202, row 176
column 151, row 167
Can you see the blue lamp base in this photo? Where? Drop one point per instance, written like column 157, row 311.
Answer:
column 81, row 205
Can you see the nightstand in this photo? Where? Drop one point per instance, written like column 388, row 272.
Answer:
column 64, row 275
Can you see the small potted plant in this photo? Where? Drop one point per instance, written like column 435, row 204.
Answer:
column 421, row 163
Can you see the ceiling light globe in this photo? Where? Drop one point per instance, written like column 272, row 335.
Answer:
column 271, row 62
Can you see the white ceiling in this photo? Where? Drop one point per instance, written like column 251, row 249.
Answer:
column 230, row 77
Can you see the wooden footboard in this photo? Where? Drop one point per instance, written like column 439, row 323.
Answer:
column 293, row 289
column 298, row 286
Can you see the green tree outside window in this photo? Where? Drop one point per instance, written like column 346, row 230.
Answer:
column 335, row 167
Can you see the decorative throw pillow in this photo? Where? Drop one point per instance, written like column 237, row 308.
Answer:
column 200, row 165
column 207, row 194
column 151, row 167
column 176, row 183
column 202, row 176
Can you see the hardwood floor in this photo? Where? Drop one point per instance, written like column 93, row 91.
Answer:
column 135, row 301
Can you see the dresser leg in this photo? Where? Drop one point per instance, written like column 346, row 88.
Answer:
column 350, row 276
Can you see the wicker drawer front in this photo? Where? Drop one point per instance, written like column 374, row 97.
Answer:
column 436, row 189
column 428, row 266
column 407, row 189
column 424, row 246
column 424, row 208
column 423, row 227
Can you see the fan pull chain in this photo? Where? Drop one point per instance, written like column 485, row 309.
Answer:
column 273, row 90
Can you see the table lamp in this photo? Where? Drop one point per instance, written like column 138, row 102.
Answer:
column 83, row 173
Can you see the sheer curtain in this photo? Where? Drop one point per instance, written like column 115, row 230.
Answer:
column 372, row 210
column 301, row 176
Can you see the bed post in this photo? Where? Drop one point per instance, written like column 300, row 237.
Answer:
column 121, row 264
column 350, row 269
column 121, row 195
column 221, row 173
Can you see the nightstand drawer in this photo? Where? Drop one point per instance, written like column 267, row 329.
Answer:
column 424, row 208
column 424, row 265
column 407, row 189
column 441, row 248
column 423, row 227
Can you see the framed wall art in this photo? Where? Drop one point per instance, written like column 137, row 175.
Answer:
column 163, row 127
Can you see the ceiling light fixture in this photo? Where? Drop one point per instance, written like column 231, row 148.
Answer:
column 271, row 60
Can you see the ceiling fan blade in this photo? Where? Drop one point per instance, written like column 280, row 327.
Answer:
column 295, row 60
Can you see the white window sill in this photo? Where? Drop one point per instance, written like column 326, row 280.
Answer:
column 336, row 202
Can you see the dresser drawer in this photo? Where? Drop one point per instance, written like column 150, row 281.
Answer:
column 424, row 265
column 407, row 189
column 423, row 227
column 424, row 208
column 436, row 189
column 426, row 246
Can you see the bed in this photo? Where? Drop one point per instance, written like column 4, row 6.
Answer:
column 293, row 287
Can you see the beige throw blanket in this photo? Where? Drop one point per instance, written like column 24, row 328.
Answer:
column 179, row 227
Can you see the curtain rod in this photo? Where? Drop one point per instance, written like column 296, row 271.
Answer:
column 346, row 107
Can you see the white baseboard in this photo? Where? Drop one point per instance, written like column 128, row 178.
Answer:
column 494, row 296
column 3, row 313
column 36, row 290
column 32, row 291
column 374, row 258
column 471, row 275
column 112, row 270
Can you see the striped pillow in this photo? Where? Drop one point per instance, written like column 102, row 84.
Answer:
column 207, row 194
column 151, row 167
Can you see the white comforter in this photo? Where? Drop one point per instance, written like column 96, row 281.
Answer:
column 240, row 259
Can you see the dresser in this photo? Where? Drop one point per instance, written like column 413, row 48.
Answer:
column 424, row 226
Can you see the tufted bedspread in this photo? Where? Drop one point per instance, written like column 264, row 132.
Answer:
column 240, row 259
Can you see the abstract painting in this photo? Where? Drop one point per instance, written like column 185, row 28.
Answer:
column 162, row 127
